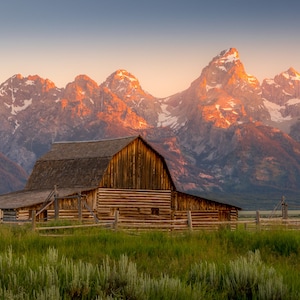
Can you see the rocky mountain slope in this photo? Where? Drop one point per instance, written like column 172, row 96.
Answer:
column 226, row 136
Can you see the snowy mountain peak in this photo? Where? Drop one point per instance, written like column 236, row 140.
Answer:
column 122, row 82
column 227, row 57
column 124, row 75
column 291, row 74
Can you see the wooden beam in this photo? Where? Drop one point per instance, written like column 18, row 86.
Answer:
column 190, row 221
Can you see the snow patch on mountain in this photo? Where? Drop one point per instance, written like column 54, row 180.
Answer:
column 15, row 109
column 229, row 56
column 124, row 75
column 252, row 79
column 165, row 118
column 293, row 101
column 17, row 125
column 291, row 75
column 3, row 92
column 216, row 86
column 29, row 82
column 274, row 110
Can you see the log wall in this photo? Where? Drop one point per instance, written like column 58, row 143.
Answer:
column 186, row 202
column 134, row 204
column 9, row 215
column 70, row 214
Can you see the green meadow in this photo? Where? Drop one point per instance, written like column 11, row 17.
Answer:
column 94, row 263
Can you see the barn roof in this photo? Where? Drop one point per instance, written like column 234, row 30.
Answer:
column 22, row 199
column 87, row 149
column 75, row 164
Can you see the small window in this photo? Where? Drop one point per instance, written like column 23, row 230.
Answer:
column 155, row 211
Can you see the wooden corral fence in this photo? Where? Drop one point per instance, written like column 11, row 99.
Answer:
column 185, row 220
column 181, row 221
column 193, row 221
column 267, row 220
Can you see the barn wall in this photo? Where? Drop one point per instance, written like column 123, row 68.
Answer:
column 19, row 214
column 135, row 204
column 137, row 166
column 91, row 198
column 69, row 207
column 9, row 215
column 186, row 202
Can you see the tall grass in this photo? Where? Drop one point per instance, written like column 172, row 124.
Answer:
column 95, row 263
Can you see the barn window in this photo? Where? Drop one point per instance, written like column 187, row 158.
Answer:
column 155, row 211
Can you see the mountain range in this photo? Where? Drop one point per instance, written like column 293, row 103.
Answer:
column 227, row 136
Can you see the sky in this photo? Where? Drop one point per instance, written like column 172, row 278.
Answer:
column 164, row 44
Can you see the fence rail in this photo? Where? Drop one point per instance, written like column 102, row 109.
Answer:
column 247, row 220
column 182, row 225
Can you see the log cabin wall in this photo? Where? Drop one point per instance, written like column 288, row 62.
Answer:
column 19, row 214
column 9, row 215
column 137, row 166
column 68, row 208
column 23, row 214
column 134, row 204
column 186, row 202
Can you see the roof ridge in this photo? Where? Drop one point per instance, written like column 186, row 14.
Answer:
column 95, row 141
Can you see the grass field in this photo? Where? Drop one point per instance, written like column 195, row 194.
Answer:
column 100, row 264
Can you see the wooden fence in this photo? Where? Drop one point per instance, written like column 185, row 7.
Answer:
column 186, row 220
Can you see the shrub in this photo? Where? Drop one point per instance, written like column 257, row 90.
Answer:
column 54, row 278
column 243, row 278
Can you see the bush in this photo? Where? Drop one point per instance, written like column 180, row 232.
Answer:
column 54, row 278
column 244, row 278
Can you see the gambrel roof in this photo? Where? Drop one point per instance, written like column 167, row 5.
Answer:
column 77, row 164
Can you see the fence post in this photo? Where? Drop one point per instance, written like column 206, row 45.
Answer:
column 257, row 218
column 79, row 207
column 33, row 219
column 190, row 221
column 56, row 207
column 116, row 219
column 284, row 208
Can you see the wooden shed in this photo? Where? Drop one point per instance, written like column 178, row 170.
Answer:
column 95, row 179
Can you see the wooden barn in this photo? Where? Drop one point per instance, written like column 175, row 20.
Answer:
column 94, row 180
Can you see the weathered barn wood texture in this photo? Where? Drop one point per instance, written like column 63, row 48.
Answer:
column 183, row 201
column 135, row 204
column 137, row 166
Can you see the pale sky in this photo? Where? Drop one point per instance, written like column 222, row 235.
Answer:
column 165, row 44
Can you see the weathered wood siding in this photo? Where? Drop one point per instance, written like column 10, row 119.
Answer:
column 137, row 166
column 74, row 208
column 70, row 214
column 205, row 219
column 185, row 202
column 9, row 215
column 20, row 214
column 134, row 204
